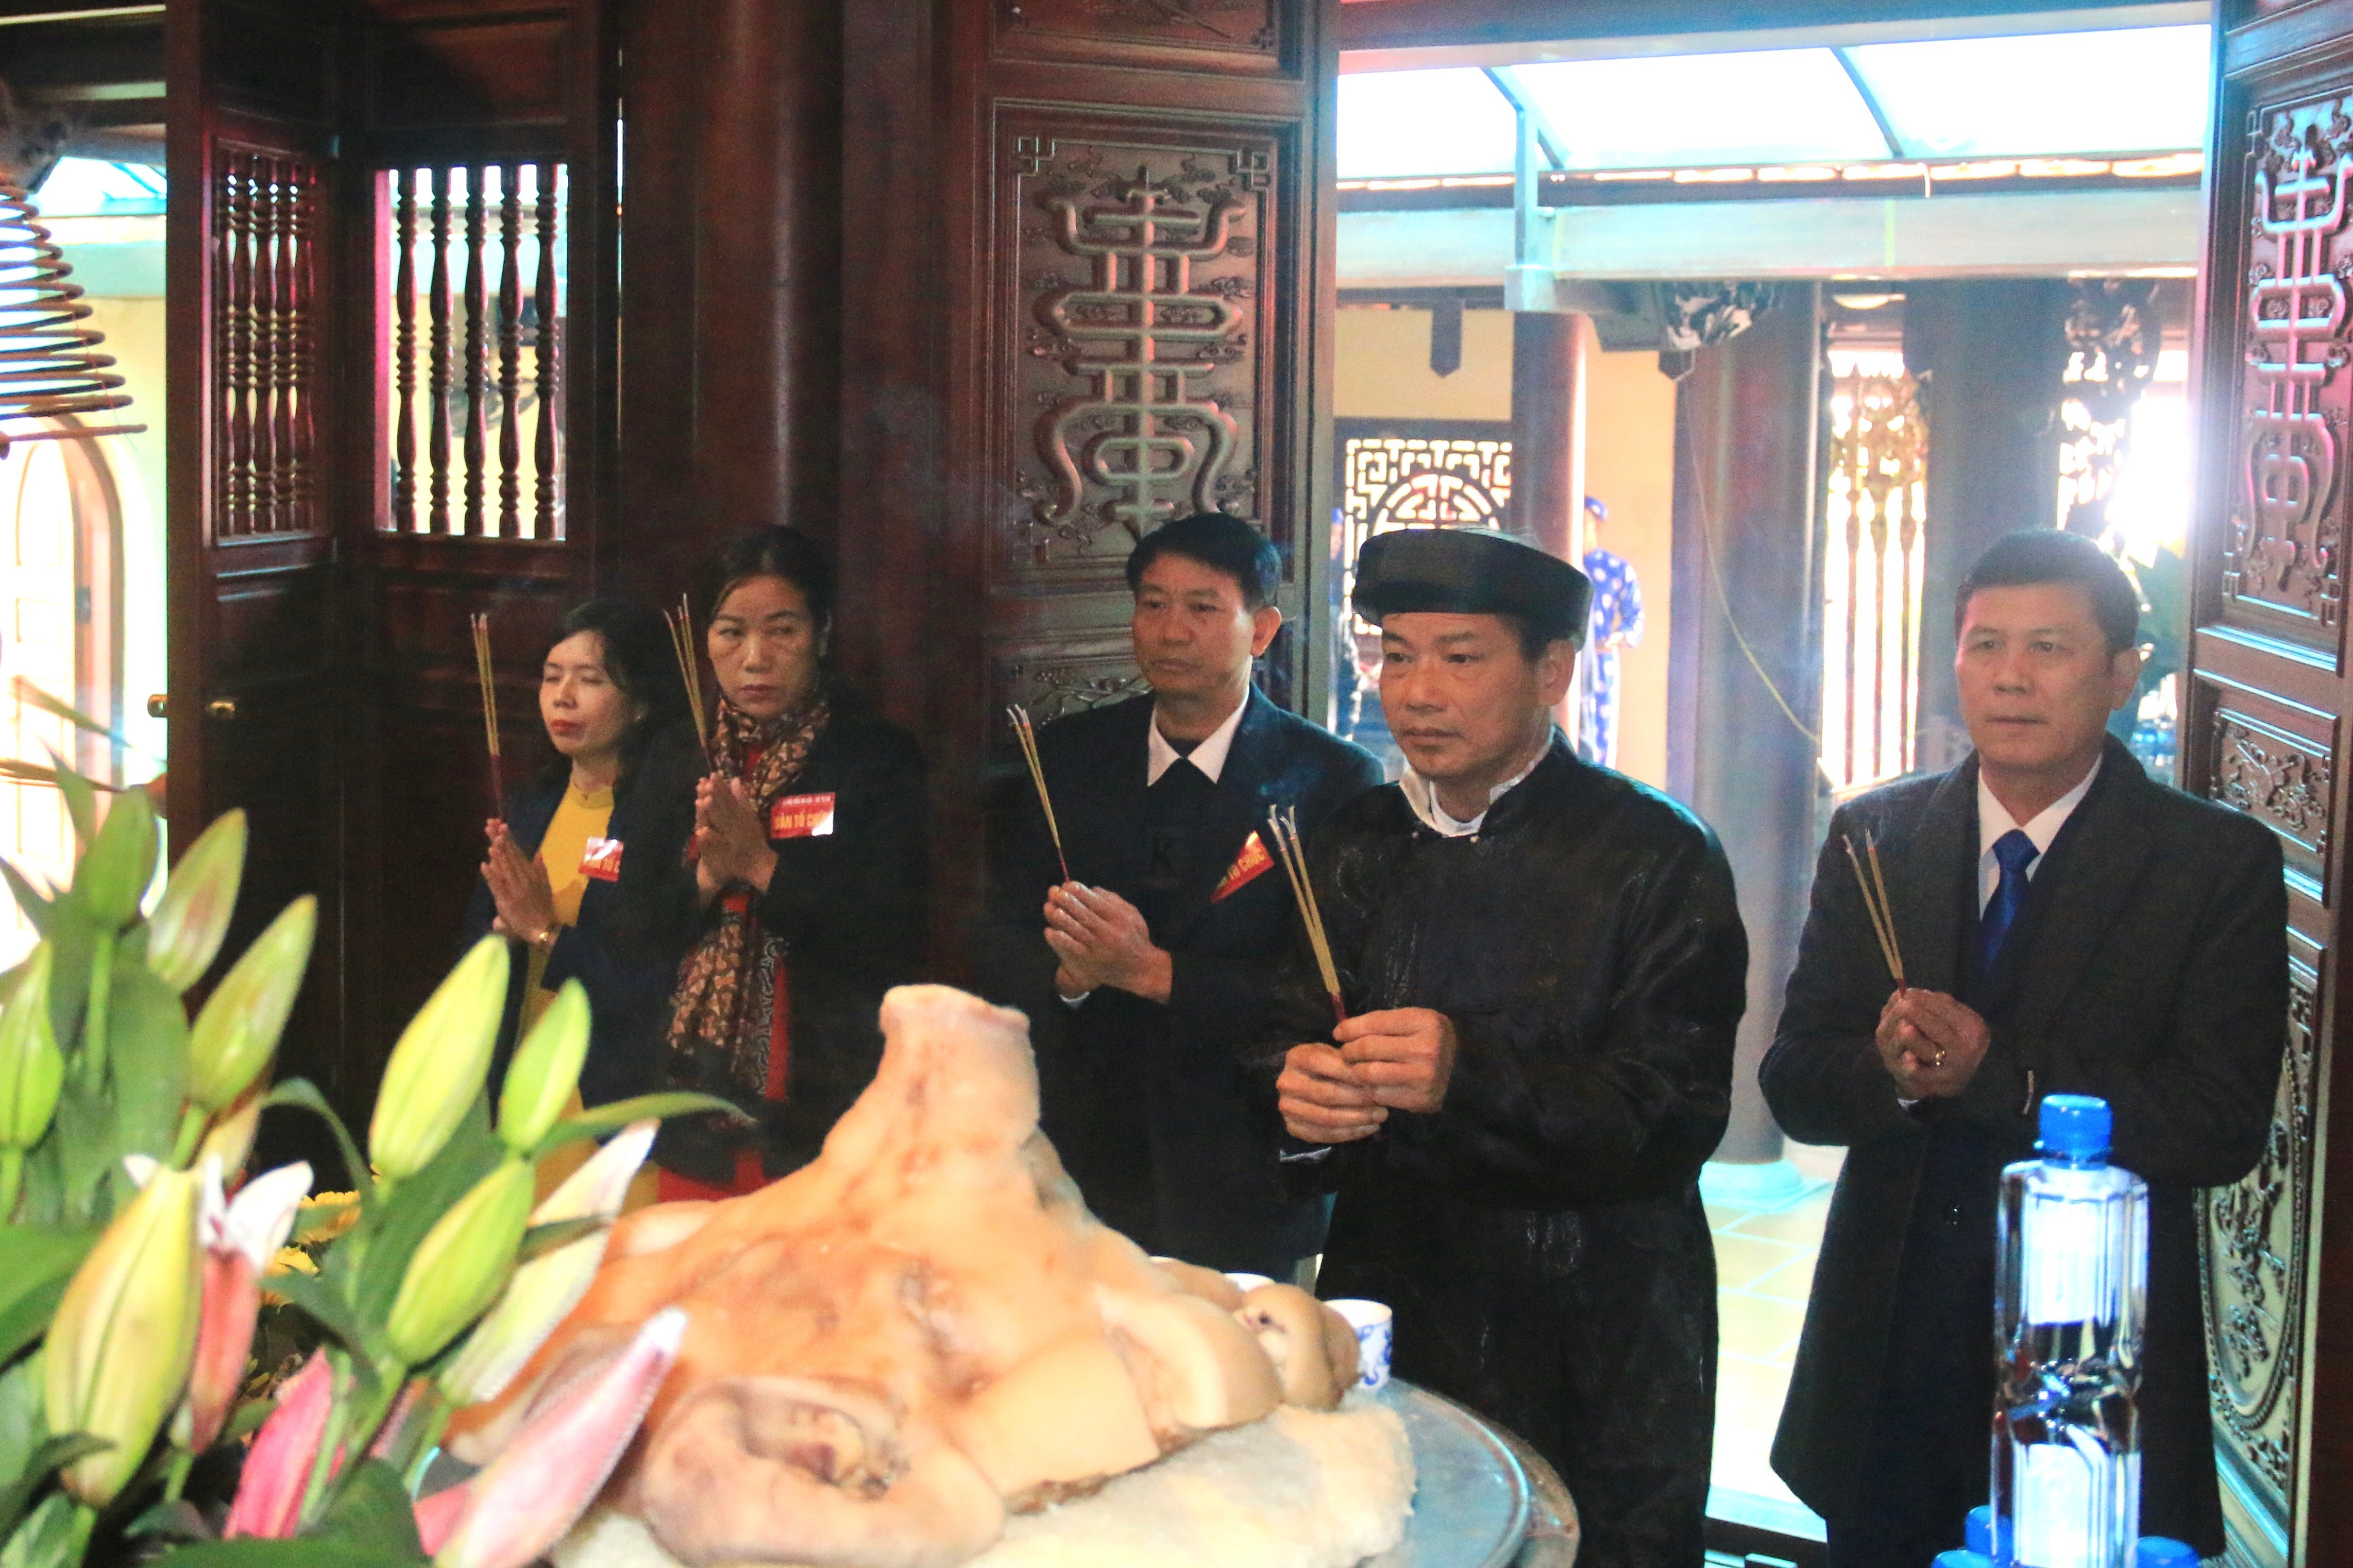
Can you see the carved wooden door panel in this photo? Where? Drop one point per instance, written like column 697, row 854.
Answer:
column 2263, row 732
column 253, row 568
column 381, row 305
column 1144, row 262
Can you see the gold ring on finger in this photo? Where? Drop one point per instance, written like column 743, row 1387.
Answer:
column 1938, row 1061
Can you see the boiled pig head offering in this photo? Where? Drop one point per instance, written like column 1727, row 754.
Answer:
column 924, row 1331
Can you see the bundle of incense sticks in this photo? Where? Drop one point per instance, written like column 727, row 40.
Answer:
column 682, row 642
column 1285, row 828
column 484, row 672
column 1874, row 902
column 1026, row 733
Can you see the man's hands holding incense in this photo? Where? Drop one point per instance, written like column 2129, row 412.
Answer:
column 1401, row 1058
column 1100, row 939
column 1930, row 1044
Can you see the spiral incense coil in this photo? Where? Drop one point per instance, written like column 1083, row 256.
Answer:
column 48, row 366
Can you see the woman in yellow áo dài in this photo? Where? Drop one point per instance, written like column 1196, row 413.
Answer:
column 609, row 692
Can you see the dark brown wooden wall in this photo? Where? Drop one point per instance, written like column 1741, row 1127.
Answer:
column 2264, row 730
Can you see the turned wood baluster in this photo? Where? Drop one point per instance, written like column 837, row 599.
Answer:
column 282, row 203
column 404, row 351
column 510, row 350
column 544, row 366
column 437, row 378
column 301, row 346
column 236, row 508
column 478, row 306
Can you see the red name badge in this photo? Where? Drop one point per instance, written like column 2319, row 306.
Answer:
column 1253, row 863
column 601, row 859
column 801, row 816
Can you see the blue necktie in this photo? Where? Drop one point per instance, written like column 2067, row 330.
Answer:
column 2014, row 851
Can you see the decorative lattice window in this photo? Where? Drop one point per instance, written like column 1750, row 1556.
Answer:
column 474, row 381
column 1871, row 589
column 1423, row 474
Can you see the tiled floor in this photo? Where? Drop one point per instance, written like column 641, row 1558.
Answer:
column 1765, row 1265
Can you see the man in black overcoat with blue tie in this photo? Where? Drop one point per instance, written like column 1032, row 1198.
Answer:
column 2066, row 925
column 1143, row 973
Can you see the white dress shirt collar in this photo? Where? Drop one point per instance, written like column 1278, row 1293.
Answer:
column 1994, row 820
column 1210, row 756
column 1422, row 797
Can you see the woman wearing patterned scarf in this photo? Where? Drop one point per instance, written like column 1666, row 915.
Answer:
column 792, row 876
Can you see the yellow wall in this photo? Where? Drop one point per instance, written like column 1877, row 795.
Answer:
column 1630, row 434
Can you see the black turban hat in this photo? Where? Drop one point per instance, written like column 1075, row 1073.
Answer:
column 1472, row 572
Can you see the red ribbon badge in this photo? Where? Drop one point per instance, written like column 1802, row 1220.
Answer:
column 1253, row 863
column 601, row 859
column 801, row 816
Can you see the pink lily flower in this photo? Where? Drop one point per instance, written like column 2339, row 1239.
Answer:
column 438, row 1514
column 268, row 1503
column 524, row 1500
column 239, row 1237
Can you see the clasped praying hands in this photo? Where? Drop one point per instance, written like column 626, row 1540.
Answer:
column 730, row 842
column 1401, row 1058
column 519, row 885
column 1100, row 939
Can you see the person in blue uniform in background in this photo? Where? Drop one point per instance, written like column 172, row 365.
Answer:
column 1616, row 621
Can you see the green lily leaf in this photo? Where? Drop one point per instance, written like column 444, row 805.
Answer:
column 80, row 796
column 89, row 1150
column 29, row 899
column 374, row 1510
column 51, row 1536
column 58, row 706
column 323, row 1306
column 35, row 1264
column 73, row 943
column 47, row 1460
column 397, row 1225
column 148, row 1056
column 606, row 1120
column 24, row 1424
column 303, row 1551
column 542, row 1238
column 302, row 1092
column 176, row 1520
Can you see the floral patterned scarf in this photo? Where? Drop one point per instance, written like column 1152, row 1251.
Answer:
column 723, row 1014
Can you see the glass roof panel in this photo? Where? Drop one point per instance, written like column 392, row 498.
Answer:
column 79, row 187
column 1409, row 124
column 2047, row 93
column 1770, row 106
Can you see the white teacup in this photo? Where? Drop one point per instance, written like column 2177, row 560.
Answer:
column 1246, row 1283
column 1375, row 1327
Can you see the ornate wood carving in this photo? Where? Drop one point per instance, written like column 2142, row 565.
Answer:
column 2287, row 519
column 2284, row 781
column 1243, row 28
column 1140, row 301
column 1051, row 687
column 2255, row 1265
column 264, row 338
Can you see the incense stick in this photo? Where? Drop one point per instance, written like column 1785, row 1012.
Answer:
column 1873, row 887
column 689, row 670
column 1293, row 856
column 485, row 671
column 1025, row 732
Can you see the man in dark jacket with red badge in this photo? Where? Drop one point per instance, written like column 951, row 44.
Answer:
column 1543, row 966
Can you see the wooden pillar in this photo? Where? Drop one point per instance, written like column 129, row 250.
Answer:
column 1549, row 442
column 731, row 316
column 1989, row 352
column 1548, row 431
column 1744, row 686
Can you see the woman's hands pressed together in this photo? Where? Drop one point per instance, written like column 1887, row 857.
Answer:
column 518, row 885
column 731, row 842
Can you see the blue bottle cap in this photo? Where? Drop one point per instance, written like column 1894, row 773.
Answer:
column 2073, row 1127
column 1966, row 1559
column 2163, row 1552
column 1979, row 1533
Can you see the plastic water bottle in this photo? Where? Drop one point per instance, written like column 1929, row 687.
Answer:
column 2069, row 1300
